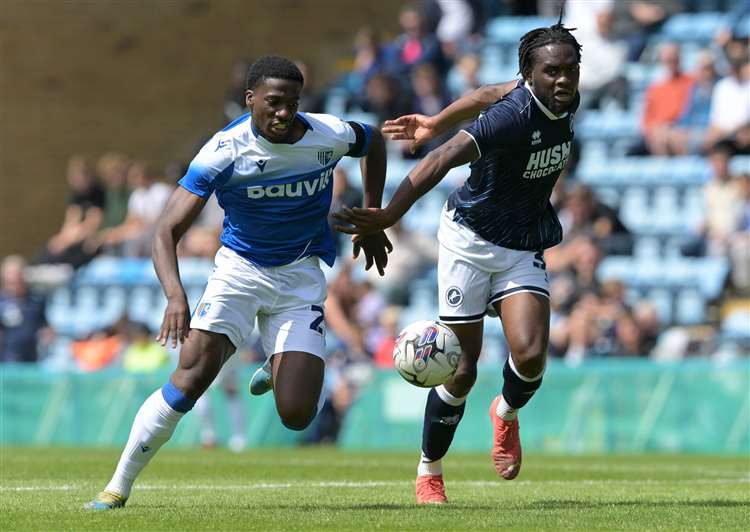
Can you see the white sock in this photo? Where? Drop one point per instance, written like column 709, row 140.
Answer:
column 152, row 427
column 426, row 467
column 449, row 398
column 504, row 411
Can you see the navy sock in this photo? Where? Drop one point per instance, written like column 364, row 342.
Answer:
column 518, row 390
column 440, row 423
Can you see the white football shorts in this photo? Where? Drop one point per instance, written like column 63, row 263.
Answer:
column 287, row 300
column 474, row 273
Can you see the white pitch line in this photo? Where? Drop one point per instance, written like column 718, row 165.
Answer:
column 379, row 484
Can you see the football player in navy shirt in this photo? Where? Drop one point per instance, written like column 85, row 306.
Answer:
column 493, row 233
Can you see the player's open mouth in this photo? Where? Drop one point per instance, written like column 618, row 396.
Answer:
column 563, row 96
column 279, row 128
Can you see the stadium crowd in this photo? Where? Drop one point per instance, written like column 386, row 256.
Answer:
column 699, row 105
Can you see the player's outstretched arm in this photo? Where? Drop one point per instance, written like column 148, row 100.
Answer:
column 421, row 128
column 459, row 150
column 373, row 165
column 182, row 208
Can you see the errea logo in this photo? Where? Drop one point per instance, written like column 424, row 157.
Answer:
column 309, row 187
column 536, row 138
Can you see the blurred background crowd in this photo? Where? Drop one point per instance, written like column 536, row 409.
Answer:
column 655, row 204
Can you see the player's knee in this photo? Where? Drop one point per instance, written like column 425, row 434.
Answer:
column 529, row 349
column 297, row 419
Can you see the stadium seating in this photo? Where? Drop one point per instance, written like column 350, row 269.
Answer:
column 659, row 199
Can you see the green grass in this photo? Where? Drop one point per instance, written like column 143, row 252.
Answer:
column 326, row 489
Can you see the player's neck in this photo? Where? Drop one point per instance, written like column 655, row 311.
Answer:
column 549, row 114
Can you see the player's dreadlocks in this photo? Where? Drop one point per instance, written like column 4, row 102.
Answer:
column 539, row 37
column 272, row 66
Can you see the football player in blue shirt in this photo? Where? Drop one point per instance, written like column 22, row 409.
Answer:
column 493, row 233
column 271, row 170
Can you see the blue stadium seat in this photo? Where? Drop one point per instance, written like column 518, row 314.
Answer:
column 690, row 307
column 662, row 301
column 739, row 164
column 692, row 27
column 508, row 30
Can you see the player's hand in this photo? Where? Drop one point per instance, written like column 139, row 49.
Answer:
column 375, row 247
column 420, row 129
column 176, row 323
column 359, row 221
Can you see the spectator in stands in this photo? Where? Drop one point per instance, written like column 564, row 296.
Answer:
column 313, row 99
column 389, row 321
column 730, row 103
column 468, row 66
column 724, row 206
column 455, row 27
column 649, row 325
column 429, row 98
column 739, row 242
column 142, row 354
column 688, row 135
column 23, row 325
column 414, row 45
column 665, row 102
column 636, row 21
column 147, row 200
column 413, row 254
column 344, row 293
column 112, row 169
column 583, row 214
column 369, row 59
column 603, row 64
column 384, row 97
column 234, row 98
column 83, row 216
column 102, row 348
column 629, row 340
column 367, row 314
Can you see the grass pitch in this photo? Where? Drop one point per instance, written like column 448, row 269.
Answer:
column 326, row 489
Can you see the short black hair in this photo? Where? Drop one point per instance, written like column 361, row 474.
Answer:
column 539, row 37
column 272, row 66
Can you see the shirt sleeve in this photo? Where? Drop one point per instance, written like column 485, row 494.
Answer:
column 212, row 167
column 362, row 135
column 496, row 127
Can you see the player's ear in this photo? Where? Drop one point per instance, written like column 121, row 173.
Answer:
column 249, row 95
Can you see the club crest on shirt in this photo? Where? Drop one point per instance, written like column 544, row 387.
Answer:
column 325, row 156
column 203, row 309
column 536, row 138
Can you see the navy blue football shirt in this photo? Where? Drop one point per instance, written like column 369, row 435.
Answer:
column 523, row 148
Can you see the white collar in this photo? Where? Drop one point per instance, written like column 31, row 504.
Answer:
column 541, row 106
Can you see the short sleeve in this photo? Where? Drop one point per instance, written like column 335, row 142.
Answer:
column 498, row 126
column 362, row 136
column 211, row 167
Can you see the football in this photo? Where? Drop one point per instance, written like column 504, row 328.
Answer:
column 426, row 353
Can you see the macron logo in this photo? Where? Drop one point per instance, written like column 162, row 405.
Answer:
column 221, row 144
column 261, row 164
